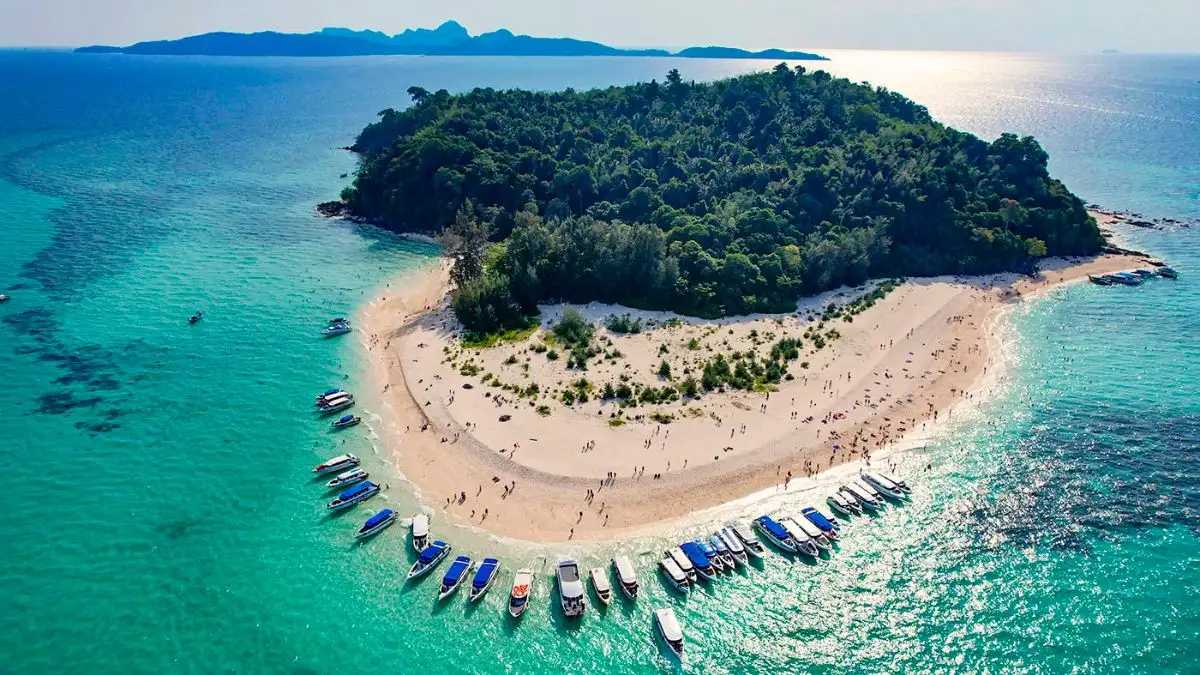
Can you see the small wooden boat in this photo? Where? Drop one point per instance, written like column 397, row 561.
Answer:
column 345, row 422
column 601, row 585
column 674, row 575
column 570, row 588
column 671, row 631
column 376, row 524
column 359, row 493
column 348, row 478
column 518, row 599
column 420, row 532
column 485, row 575
column 429, row 559
column 454, row 576
column 626, row 577
column 339, row 463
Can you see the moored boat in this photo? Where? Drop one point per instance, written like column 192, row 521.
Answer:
column 701, row 563
column 723, row 552
column 773, row 532
column 671, row 631
column 339, row 463
column 376, row 524
column 191, row 319
column 485, row 576
column 570, row 588
column 896, row 480
column 330, row 395
column 710, row 552
column 601, row 585
column 1127, row 278
column 518, row 598
column 337, row 406
column 867, row 488
column 808, row 537
column 674, row 575
column 1168, row 272
column 1099, row 280
column 867, row 500
column 359, row 493
column 348, row 478
column 743, row 532
column 685, row 564
column 818, row 519
column 336, row 327
column 1144, row 273
column 345, row 422
column 733, row 544
column 847, row 506
column 626, row 577
column 420, row 532
column 454, row 576
column 429, row 559
column 883, row 486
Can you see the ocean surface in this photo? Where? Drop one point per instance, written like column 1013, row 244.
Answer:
column 158, row 514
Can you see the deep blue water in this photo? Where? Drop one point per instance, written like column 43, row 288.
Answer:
column 158, row 516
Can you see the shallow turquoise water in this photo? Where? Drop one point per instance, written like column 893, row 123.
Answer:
column 159, row 515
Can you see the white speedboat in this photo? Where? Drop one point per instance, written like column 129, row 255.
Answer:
column 884, row 486
column 671, row 631
column 723, row 551
column 734, row 544
column 485, row 575
column 804, row 542
column 683, row 562
column 454, row 577
column 601, row 585
column 348, row 478
column 340, row 328
column 339, row 463
column 865, row 499
column 827, row 526
column 570, row 588
column 429, row 559
column 337, row 406
column 898, row 481
column 867, row 488
column 674, row 575
column 626, row 578
column 518, row 598
column 376, row 524
column 359, row 493
column 420, row 532
column 325, row 400
column 775, row 533
column 847, row 506
column 743, row 532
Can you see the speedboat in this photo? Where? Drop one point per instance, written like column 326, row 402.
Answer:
column 701, row 563
column 733, row 545
column 723, row 552
column 337, row 406
column 714, row 558
column 429, row 559
column 485, row 575
column 454, row 576
column 336, row 329
column 626, row 578
column 601, row 585
column 775, row 533
column 897, row 481
column 330, row 395
column 3, row 297
column 345, row 422
column 1100, row 281
column 1144, row 273
column 743, row 532
column 883, row 486
column 359, row 493
column 1127, row 278
column 671, row 631
column 844, row 505
column 868, row 488
column 1168, row 272
column 518, row 599
column 808, row 537
column 338, row 320
column 376, row 524
column 827, row 526
column 420, row 532
column 191, row 319
column 674, row 575
column 685, row 564
column 348, row 478
column 570, row 588
column 868, row 501
column 339, row 463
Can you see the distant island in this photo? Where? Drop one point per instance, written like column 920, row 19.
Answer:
column 449, row 39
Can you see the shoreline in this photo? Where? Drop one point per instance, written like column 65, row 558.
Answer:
column 536, row 490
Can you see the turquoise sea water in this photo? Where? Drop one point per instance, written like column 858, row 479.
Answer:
column 158, row 514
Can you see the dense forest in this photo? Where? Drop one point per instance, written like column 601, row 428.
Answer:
column 707, row 199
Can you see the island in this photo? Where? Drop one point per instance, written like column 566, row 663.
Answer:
column 663, row 297
column 449, row 39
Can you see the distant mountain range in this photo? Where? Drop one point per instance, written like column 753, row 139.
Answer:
column 449, row 39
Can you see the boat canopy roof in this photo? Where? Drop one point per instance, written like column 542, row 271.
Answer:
column 356, row 490
column 457, row 569
column 816, row 516
column 624, row 569
column 338, row 460
column 378, row 518
column 356, row 471
column 346, row 418
column 432, row 551
column 600, row 580
column 706, row 547
column 669, row 624
column 420, row 525
column 568, row 571
column 673, row 569
column 330, row 392
column 773, row 527
column 882, row 480
column 694, row 553
column 485, row 571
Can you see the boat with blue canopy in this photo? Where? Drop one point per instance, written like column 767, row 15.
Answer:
column 376, row 524
column 454, row 576
column 723, row 552
column 345, row 422
column 711, row 553
column 817, row 518
column 485, row 576
column 429, row 559
column 359, row 493
column 774, row 533
column 700, row 562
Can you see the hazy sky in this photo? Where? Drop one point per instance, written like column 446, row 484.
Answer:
column 1027, row 25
